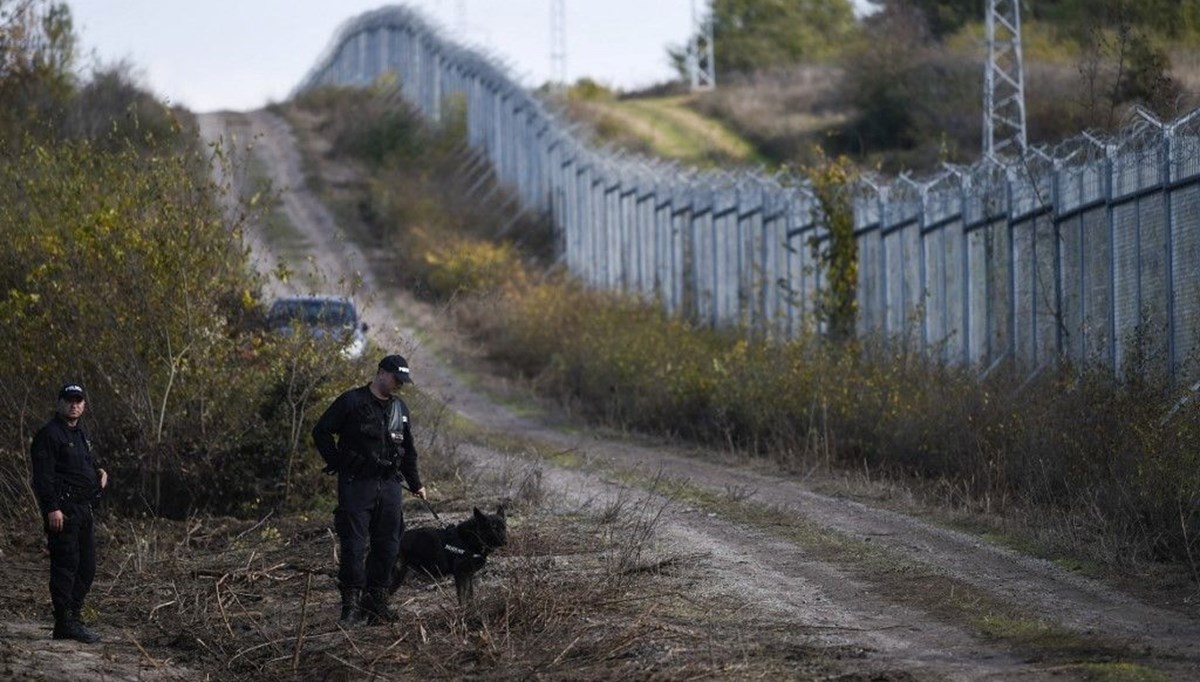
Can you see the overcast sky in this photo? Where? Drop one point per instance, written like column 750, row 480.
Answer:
column 241, row 54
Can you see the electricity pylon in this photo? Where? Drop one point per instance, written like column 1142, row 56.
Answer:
column 701, row 67
column 1003, row 81
column 558, row 42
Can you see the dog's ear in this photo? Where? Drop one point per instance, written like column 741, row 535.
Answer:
column 480, row 515
column 500, row 511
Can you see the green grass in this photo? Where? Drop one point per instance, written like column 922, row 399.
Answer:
column 686, row 134
column 672, row 130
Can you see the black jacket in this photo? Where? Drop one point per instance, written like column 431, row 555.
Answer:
column 63, row 465
column 353, row 439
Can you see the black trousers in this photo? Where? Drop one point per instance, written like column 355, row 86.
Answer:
column 72, row 558
column 369, row 521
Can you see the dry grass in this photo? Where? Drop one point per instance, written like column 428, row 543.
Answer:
column 582, row 595
column 783, row 113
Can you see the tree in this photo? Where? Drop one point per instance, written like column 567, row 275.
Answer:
column 1121, row 62
column 837, row 303
column 1170, row 18
column 750, row 35
column 943, row 17
column 37, row 61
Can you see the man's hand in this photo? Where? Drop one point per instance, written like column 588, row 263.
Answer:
column 55, row 519
column 103, row 479
column 420, row 492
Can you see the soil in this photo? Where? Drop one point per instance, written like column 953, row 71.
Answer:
column 902, row 598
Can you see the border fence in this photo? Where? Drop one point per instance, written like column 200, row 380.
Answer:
column 1089, row 250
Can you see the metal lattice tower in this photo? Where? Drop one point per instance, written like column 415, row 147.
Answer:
column 558, row 42
column 701, row 67
column 1003, row 81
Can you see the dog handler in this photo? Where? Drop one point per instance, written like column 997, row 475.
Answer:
column 364, row 437
column 67, row 482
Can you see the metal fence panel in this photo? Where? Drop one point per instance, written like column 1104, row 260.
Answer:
column 1001, row 309
column 1127, row 299
column 1154, row 274
column 1071, row 258
column 1046, row 291
column 1025, row 292
column 1083, row 251
column 1096, row 242
column 1185, row 253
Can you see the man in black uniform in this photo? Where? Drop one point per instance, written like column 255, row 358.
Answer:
column 364, row 437
column 67, row 481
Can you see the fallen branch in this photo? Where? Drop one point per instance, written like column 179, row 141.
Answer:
column 348, row 664
column 303, row 621
column 242, row 534
column 143, row 650
column 156, row 608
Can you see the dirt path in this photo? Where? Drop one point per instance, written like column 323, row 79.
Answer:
column 760, row 572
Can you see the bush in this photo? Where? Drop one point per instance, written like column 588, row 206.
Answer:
column 1097, row 454
column 465, row 266
column 120, row 273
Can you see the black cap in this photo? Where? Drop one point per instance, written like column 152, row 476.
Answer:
column 70, row 391
column 398, row 366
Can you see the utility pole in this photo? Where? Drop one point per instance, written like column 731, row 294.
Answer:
column 558, row 43
column 1003, row 81
column 701, row 67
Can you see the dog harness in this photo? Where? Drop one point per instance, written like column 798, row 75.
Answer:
column 461, row 551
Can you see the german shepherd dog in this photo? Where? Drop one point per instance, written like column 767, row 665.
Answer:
column 460, row 550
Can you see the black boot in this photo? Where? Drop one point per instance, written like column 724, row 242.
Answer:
column 375, row 606
column 351, row 609
column 67, row 626
column 88, row 635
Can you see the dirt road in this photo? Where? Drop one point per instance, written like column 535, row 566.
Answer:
column 914, row 600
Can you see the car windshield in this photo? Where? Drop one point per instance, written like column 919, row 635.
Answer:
column 313, row 313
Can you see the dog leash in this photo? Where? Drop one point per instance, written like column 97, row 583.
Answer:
column 457, row 550
column 427, row 505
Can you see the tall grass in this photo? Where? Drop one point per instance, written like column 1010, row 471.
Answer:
column 1098, row 456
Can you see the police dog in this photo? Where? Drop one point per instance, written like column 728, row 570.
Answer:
column 460, row 550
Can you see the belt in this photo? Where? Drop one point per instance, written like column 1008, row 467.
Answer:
column 78, row 495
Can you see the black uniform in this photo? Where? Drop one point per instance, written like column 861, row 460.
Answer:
column 373, row 464
column 66, row 477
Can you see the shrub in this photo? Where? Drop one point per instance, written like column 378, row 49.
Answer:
column 466, row 266
column 120, row 272
column 1097, row 453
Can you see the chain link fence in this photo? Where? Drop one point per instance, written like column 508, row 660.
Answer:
column 1089, row 250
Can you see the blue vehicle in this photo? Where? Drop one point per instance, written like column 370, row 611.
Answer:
column 325, row 317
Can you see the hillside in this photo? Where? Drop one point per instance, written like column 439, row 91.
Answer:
column 895, row 98
column 667, row 127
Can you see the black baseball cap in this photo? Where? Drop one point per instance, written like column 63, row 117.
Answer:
column 72, row 391
column 398, row 366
